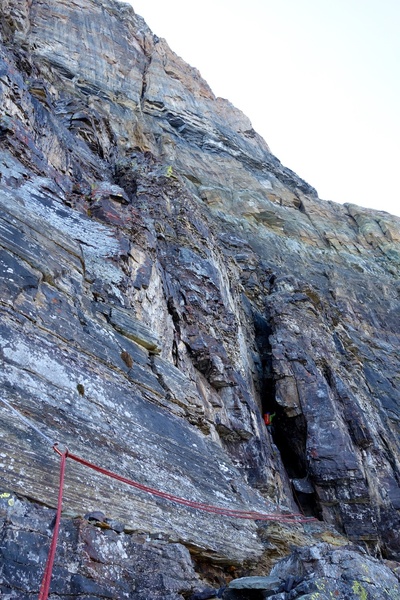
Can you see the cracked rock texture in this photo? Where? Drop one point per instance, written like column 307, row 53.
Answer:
column 165, row 281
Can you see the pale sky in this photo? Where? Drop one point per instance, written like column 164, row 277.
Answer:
column 319, row 80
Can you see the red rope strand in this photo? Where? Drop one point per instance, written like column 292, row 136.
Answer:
column 228, row 512
column 45, row 587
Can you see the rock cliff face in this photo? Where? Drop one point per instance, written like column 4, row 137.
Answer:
column 164, row 282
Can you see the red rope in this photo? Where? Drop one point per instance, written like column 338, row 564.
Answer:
column 228, row 512
column 45, row 587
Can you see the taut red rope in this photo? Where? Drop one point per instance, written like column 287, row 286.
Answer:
column 228, row 512
column 45, row 587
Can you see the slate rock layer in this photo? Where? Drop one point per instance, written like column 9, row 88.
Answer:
column 165, row 281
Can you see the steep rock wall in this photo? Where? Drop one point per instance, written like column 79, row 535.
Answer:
column 165, row 281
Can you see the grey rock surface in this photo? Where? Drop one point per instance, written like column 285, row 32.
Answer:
column 164, row 281
column 327, row 572
column 92, row 562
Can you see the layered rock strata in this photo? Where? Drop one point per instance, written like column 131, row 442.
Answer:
column 164, row 282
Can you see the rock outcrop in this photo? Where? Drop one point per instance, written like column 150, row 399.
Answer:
column 164, row 282
column 319, row 573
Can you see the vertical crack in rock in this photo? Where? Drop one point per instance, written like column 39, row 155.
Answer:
column 288, row 431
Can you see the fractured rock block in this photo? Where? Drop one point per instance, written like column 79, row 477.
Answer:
column 132, row 328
